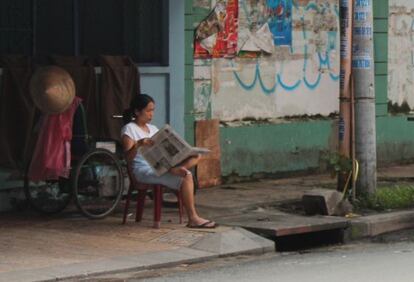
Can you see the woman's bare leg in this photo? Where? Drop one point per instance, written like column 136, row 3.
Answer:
column 182, row 168
column 187, row 190
column 191, row 162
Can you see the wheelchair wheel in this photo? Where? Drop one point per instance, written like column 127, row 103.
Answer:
column 98, row 183
column 48, row 197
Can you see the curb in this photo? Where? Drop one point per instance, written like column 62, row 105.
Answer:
column 374, row 225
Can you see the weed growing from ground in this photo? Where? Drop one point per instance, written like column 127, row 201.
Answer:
column 388, row 197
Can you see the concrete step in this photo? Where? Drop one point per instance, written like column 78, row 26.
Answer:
column 277, row 223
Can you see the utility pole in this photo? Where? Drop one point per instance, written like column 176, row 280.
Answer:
column 364, row 87
column 345, row 120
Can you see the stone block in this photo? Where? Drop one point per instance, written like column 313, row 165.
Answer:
column 321, row 201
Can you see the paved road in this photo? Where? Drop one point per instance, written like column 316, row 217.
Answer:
column 356, row 262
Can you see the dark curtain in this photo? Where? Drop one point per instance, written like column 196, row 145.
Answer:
column 17, row 111
column 119, row 83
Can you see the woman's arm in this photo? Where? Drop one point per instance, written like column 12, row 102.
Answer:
column 131, row 146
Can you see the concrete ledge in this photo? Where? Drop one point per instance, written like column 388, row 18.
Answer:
column 373, row 225
column 234, row 242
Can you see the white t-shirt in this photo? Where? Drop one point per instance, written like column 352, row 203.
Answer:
column 133, row 131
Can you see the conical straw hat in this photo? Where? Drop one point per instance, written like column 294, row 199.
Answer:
column 52, row 89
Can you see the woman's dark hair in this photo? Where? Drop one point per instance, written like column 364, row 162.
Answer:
column 138, row 103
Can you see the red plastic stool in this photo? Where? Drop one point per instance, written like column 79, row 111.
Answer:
column 142, row 189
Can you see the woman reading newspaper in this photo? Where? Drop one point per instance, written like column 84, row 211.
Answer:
column 136, row 133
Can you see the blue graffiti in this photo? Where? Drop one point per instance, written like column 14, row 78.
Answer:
column 336, row 10
column 283, row 84
column 267, row 91
column 257, row 76
column 324, row 61
column 244, row 85
column 312, row 86
column 288, row 87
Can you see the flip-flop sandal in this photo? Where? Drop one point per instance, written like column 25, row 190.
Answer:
column 204, row 225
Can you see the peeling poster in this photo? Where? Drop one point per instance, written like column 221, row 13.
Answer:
column 216, row 36
column 280, row 21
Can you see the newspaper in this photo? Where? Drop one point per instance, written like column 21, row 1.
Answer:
column 168, row 150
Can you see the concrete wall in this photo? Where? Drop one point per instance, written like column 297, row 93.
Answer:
column 262, row 138
column 253, row 97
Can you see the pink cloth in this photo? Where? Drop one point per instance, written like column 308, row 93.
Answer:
column 51, row 158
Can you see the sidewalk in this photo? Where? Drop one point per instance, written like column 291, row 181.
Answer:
column 37, row 248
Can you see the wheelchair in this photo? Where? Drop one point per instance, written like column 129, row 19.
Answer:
column 96, row 180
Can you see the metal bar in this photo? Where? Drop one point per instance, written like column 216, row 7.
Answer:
column 344, row 138
column 34, row 23
column 76, row 31
column 165, row 23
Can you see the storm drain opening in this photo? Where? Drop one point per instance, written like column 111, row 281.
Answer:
column 305, row 241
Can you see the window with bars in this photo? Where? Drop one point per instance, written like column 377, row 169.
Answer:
column 137, row 28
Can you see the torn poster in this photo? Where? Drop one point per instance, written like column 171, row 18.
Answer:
column 262, row 40
column 280, row 21
column 213, row 23
column 216, row 36
column 252, row 16
column 209, row 43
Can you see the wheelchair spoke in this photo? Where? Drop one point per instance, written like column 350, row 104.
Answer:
column 98, row 183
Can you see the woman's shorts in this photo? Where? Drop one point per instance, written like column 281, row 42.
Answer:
column 145, row 174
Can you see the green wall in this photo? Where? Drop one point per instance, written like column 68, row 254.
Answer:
column 275, row 148
column 251, row 151
column 395, row 140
